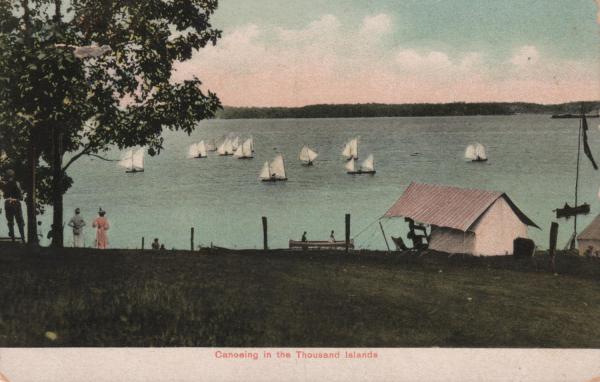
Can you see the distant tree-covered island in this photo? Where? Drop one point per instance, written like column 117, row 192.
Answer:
column 405, row 110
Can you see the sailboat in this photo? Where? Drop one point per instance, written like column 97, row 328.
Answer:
column 197, row 150
column 244, row 151
column 351, row 149
column 274, row 171
column 226, row 147
column 133, row 161
column 476, row 153
column 366, row 167
column 211, row 146
column 307, row 156
column 578, row 209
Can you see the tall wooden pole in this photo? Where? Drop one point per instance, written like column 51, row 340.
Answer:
column 347, row 232
column 192, row 239
column 384, row 238
column 572, row 246
column 265, row 239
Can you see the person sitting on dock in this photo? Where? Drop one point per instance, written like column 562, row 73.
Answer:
column 399, row 243
column 304, row 240
column 332, row 237
column 418, row 240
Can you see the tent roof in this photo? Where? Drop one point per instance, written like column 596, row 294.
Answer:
column 592, row 231
column 447, row 206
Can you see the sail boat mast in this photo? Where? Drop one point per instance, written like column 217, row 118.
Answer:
column 577, row 177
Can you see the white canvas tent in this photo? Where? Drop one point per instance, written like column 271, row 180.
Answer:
column 588, row 240
column 463, row 220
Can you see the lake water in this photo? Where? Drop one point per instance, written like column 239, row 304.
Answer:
column 531, row 157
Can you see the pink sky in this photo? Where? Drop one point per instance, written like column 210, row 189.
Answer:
column 254, row 65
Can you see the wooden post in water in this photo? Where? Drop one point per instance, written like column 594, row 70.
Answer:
column 347, row 232
column 553, row 237
column 384, row 238
column 265, row 239
column 192, row 239
column 142, row 243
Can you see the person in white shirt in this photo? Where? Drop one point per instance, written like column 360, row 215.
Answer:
column 77, row 223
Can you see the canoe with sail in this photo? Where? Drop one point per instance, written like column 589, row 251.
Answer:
column 307, row 156
column 350, row 150
column 226, row 147
column 197, row 150
column 476, row 153
column 133, row 161
column 244, row 151
column 273, row 171
column 366, row 167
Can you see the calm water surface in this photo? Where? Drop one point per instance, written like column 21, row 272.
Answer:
column 532, row 158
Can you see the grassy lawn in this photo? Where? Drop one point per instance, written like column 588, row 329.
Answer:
column 278, row 299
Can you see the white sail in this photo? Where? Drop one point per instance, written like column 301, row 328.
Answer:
column 470, row 152
column 221, row 148
column 346, row 152
column 265, row 173
column 368, row 164
column 193, row 151
column 307, row 155
column 278, row 167
column 235, row 143
column 351, row 149
column 228, row 146
column 350, row 165
column 201, row 147
column 127, row 160
column 354, row 148
column 247, row 148
column 251, row 143
column 138, row 160
column 480, row 151
column 239, row 153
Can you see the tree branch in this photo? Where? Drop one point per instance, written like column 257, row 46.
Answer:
column 85, row 151
column 103, row 158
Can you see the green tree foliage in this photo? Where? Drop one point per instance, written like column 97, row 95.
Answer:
column 59, row 104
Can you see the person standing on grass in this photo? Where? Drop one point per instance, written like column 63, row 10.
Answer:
column 77, row 223
column 101, row 224
column 12, row 204
column 331, row 237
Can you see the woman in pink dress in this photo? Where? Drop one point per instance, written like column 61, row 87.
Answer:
column 101, row 224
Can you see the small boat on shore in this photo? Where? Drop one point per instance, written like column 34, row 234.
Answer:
column 274, row 171
column 133, row 161
column 350, row 150
column 367, row 167
column 568, row 211
column 476, row 153
column 307, row 156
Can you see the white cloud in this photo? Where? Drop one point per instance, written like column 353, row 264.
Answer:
column 526, row 55
column 376, row 25
column 329, row 62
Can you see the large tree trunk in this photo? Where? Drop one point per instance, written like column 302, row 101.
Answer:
column 57, row 194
